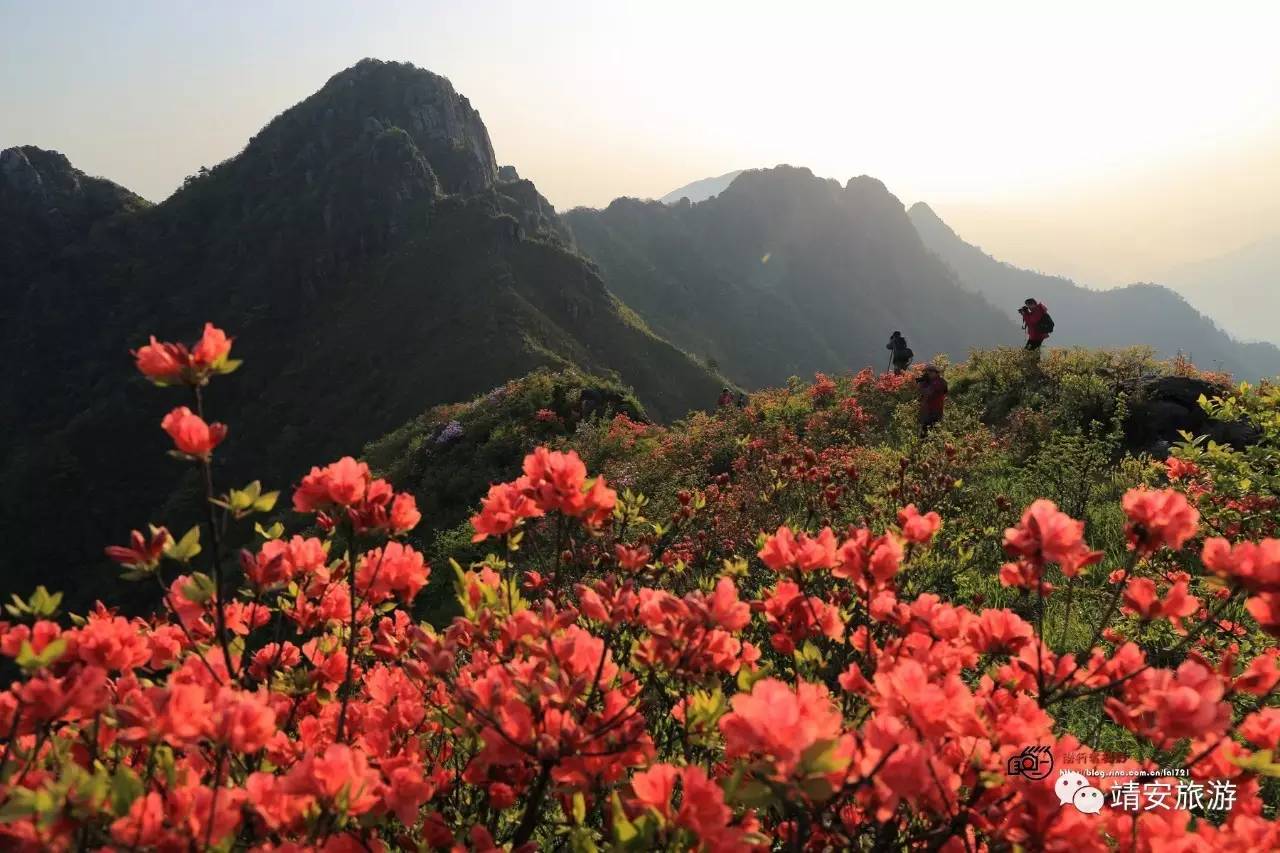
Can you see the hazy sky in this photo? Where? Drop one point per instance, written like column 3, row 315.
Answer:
column 1110, row 140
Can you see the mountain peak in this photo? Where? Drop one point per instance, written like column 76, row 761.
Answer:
column 921, row 212
column 373, row 97
column 701, row 190
column 930, row 224
column 45, row 202
column 46, row 178
column 868, row 184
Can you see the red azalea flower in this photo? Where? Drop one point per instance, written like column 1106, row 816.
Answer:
column 916, row 527
column 190, row 434
column 785, row 550
column 1158, row 519
column 1046, row 535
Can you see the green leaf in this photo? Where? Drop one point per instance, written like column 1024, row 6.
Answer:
column 821, row 758
column 624, row 831
column 199, row 589
column 747, row 677
column 28, row 658
column 752, row 794
column 20, row 805
column 126, row 787
column 817, row 789
column 1261, row 763
column 275, row 531
column 580, row 840
column 43, row 603
column 186, row 548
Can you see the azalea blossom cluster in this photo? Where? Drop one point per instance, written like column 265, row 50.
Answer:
column 609, row 684
column 173, row 363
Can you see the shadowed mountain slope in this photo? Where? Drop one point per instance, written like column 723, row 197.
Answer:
column 370, row 261
column 784, row 273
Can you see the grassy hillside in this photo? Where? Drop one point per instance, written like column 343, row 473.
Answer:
column 1013, row 431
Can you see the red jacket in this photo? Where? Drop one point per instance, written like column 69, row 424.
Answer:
column 1031, row 322
column 933, row 396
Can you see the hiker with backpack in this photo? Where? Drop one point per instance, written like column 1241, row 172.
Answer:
column 725, row 400
column 933, row 397
column 900, row 354
column 1037, row 322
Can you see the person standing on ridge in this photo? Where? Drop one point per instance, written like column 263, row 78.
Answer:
column 900, row 354
column 726, row 399
column 933, row 397
column 1037, row 322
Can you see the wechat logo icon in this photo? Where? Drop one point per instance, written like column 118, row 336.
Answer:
column 1073, row 788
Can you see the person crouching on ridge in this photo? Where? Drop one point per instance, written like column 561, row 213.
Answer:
column 1037, row 322
column 933, row 397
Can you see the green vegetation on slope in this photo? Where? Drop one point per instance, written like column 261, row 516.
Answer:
column 1014, row 431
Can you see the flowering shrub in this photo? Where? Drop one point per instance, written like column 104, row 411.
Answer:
column 452, row 431
column 641, row 680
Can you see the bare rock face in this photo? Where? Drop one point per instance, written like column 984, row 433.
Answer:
column 373, row 96
column 19, row 175
column 1161, row 408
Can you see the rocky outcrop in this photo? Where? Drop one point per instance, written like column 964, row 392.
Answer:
column 46, row 203
column 537, row 217
column 1162, row 408
column 373, row 96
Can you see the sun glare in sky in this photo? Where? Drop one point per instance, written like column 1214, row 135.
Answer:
column 1105, row 140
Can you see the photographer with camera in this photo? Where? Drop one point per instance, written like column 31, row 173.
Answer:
column 1037, row 322
column 933, row 397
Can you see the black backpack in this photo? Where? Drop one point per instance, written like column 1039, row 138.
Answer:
column 1046, row 324
column 907, row 354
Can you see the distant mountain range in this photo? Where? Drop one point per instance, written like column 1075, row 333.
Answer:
column 784, row 273
column 1144, row 314
column 701, row 190
column 1239, row 289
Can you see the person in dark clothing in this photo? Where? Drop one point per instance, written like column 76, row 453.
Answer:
column 741, row 402
column 1036, row 321
column 900, row 354
column 933, row 397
